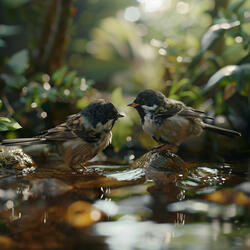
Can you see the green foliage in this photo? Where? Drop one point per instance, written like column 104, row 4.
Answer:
column 227, row 43
column 14, row 3
column 118, row 50
column 8, row 123
column 64, row 86
column 8, row 30
column 19, row 62
column 193, row 51
column 214, row 32
column 183, row 90
column 236, row 75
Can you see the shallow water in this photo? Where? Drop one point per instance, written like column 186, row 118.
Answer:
column 155, row 203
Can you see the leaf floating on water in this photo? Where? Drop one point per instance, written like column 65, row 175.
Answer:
column 6, row 242
column 81, row 214
column 227, row 196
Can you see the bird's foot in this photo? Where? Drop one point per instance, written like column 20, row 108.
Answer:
column 84, row 168
column 79, row 169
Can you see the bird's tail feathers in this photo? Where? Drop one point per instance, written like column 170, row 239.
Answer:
column 22, row 141
column 222, row 131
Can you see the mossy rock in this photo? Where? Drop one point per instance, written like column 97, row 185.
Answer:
column 15, row 158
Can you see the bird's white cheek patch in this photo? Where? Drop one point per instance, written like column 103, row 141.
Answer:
column 87, row 124
column 110, row 138
column 107, row 126
column 149, row 108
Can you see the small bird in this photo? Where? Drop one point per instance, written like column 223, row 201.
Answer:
column 171, row 122
column 81, row 137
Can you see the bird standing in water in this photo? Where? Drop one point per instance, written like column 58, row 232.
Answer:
column 81, row 137
column 171, row 122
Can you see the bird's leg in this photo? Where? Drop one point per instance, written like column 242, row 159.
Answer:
column 79, row 168
column 83, row 167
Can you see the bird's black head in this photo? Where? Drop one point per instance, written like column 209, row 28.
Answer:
column 101, row 111
column 147, row 101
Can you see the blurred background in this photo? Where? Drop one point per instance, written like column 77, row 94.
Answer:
column 58, row 55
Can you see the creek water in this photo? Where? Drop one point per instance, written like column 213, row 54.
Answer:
column 157, row 202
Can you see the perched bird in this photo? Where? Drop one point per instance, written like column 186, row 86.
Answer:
column 81, row 137
column 171, row 122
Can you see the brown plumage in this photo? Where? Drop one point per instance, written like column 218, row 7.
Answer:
column 171, row 122
column 81, row 137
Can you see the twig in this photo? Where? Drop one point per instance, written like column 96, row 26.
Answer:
column 7, row 105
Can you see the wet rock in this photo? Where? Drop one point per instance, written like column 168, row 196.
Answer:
column 162, row 167
column 15, row 158
column 160, row 160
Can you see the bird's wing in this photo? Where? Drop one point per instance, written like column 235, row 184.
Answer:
column 76, row 126
column 81, row 127
column 194, row 113
column 170, row 109
column 173, row 107
column 59, row 133
column 73, row 128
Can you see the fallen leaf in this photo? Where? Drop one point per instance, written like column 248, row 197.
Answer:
column 81, row 214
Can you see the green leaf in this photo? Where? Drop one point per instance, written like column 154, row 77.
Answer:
column 14, row 81
column 239, row 74
column 176, row 86
column 69, row 78
column 8, row 30
column 245, row 59
column 8, row 124
column 2, row 43
column 4, row 119
column 58, row 76
column 234, row 7
column 210, row 37
column 90, row 83
column 14, row 3
column 19, row 62
column 214, row 32
column 1, row 104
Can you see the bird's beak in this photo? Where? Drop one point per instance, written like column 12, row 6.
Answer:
column 133, row 105
column 120, row 115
